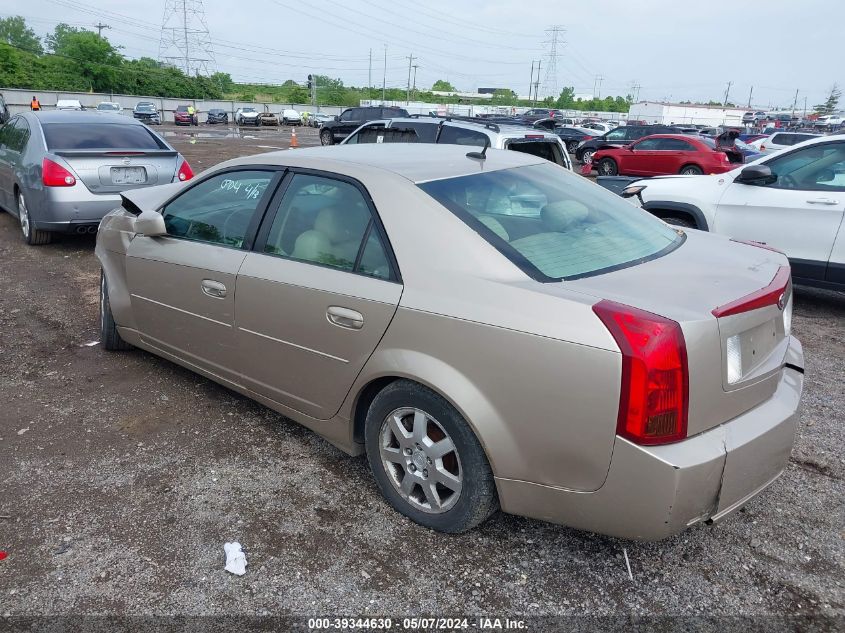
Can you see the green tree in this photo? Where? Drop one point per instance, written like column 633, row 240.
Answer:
column 831, row 103
column 441, row 85
column 15, row 32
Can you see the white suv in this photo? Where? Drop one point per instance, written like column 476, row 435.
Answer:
column 793, row 201
column 463, row 131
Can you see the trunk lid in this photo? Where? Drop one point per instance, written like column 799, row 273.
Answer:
column 734, row 354
column 113, row 171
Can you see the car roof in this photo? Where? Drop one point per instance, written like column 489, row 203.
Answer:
column 482, row 126
column 76, row 116
column 414, row 161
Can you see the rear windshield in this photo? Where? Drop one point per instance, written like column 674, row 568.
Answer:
column 547, row 148
column 552, row 224
column 182, row 109
column 99, row 136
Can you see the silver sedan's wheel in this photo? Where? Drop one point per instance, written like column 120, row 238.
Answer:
column 31, row 235
column 23, row 216
column 421, row 460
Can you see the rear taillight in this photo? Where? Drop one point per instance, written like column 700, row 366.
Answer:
column 776, row 293
column 54, row 175
column 185, row 172
column 654, row 399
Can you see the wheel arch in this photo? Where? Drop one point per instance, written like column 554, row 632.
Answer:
column 691, row 164
column 667, row 208
column 442, row 379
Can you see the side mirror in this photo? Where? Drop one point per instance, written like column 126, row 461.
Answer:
column 150, row 224
column 756, row 175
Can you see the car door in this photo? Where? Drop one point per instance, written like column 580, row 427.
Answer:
column 674, row 153
column 16, row 136
column 316, row 294
column 349, row 121
column 182, row 286
column 6, row 133
column 799, row 213
column 640, row 158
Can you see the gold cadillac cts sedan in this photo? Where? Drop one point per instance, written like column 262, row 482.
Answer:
column 489, row 328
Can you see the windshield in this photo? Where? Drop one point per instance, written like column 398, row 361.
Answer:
column 552, row 224
column 61, row 136
column 108, row 106
column 248, row 110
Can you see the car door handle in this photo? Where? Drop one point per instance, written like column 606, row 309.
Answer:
column 213, row 288
column 823, row 201
column 344, row 317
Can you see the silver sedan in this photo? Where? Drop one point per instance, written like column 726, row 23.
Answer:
column 61, row 172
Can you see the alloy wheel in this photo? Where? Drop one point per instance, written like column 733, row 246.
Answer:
column 421, row 460
column 326, row 137
column 587, row 156
column 23, row 216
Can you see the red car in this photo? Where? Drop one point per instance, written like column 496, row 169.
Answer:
column 182, row 116
column 661, row 154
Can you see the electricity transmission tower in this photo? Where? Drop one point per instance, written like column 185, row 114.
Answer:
column 555, row 40
column 185, row 41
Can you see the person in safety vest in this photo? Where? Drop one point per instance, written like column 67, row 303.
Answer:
column 34, row 104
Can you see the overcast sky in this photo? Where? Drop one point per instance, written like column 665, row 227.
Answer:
column 674, row 50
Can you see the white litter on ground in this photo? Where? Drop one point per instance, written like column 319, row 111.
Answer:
column 628, row 564
column 91, row 344
column 235, row 558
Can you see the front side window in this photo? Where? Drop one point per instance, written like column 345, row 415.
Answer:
column 551, row 224
column 815, row 168
column 328, row 222
column 17, row 134
column 218, row 210
column 350, row 115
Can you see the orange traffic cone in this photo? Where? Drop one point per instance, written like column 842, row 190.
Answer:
column 293, row 142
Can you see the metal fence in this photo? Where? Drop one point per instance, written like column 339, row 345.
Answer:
column 19, row 100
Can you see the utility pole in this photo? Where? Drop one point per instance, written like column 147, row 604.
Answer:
column 599, row 79
column 384, row 76
column 531, row 82
column 410, row 65
column 414, row 88
column 728, row 92
column 805, row 106
column 370, row 75
column 795, row 102
column 537, row 82
column 100, row 26
column 750, row 92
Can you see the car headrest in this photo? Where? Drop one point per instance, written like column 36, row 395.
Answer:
column 494, row 225
column 560, row 216
column 311, row 245
column 341, row 224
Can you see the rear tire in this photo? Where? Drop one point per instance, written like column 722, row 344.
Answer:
column 691, row 170
column 571, row 146
column 607, row 167
column 676, row 221
column 109, row 336
column 326, row 137
column 436, row 473
column 31, row 235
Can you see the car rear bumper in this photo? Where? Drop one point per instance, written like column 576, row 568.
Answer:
column 652, row 492
column 61, row 213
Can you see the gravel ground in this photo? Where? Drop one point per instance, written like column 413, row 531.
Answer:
column 123, row 475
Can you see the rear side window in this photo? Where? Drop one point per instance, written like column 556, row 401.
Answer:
column 99, row 136
column 676, row 144
column 453, row 135
column 552, row 224
column 327, row 222
column 547, row 149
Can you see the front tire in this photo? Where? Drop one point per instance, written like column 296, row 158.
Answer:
column 109, row 336
column 607, row 167
column 426, row 460
column 326, row 137
column 587, row 156
column 31, row 235
column 691, row 170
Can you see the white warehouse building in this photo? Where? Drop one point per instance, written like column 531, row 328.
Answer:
column 685, row 113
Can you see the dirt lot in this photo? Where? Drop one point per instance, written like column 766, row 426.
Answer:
column 122, row 475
